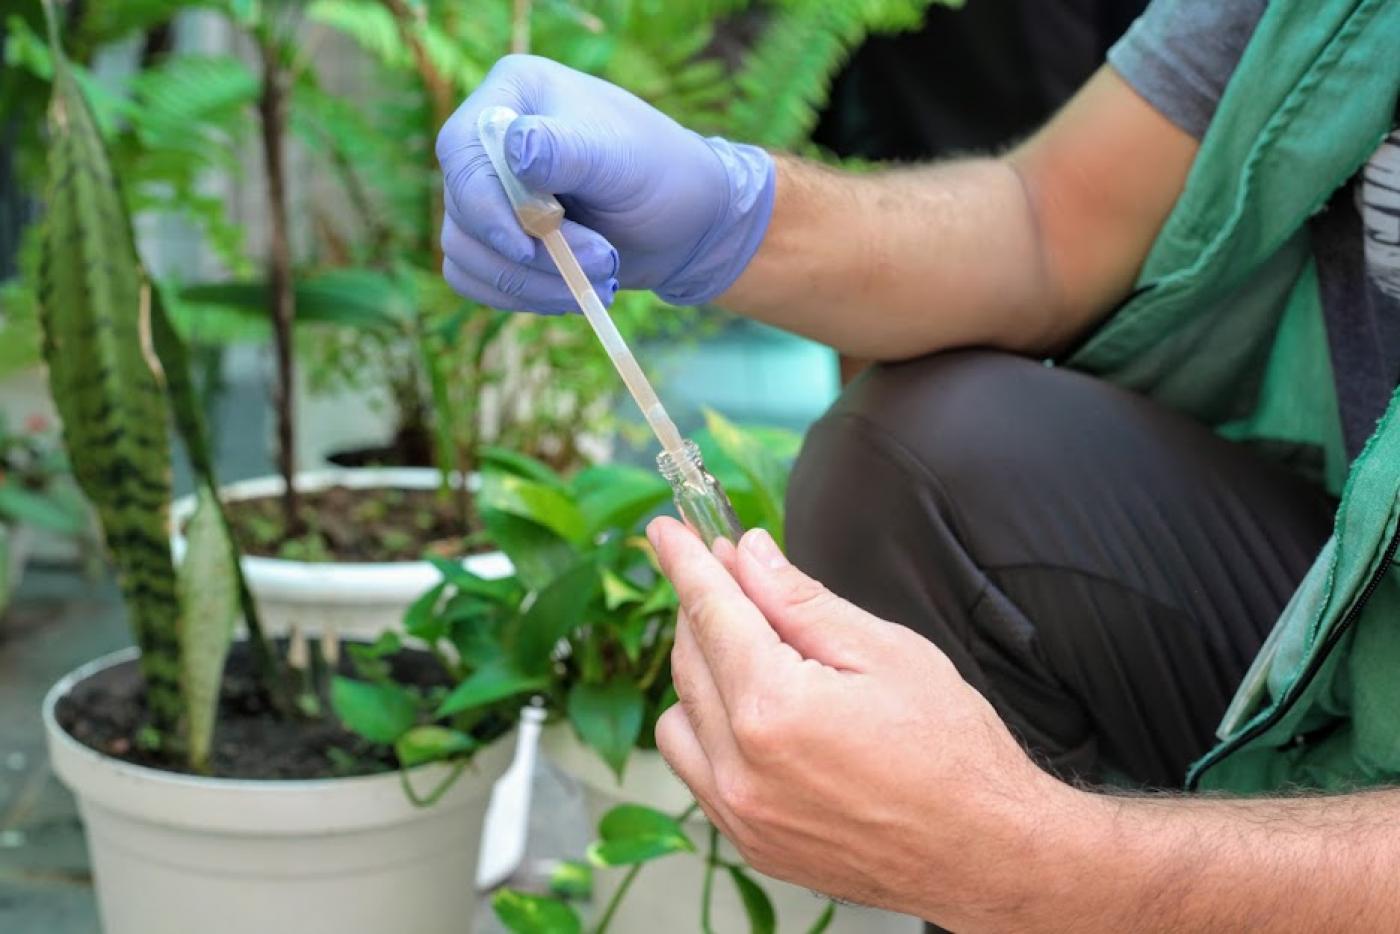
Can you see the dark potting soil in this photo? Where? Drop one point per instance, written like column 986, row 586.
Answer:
column 344, row 524
column 107, row 712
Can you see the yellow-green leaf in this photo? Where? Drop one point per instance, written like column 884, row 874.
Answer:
column 209, row 608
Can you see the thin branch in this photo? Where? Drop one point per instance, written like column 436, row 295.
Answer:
column 272, row 107
column 441, row 103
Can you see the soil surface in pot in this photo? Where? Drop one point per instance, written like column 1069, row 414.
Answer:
column 107, row 712
column 344, row 524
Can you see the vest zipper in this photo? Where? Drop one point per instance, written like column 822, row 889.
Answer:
column 1314, row 665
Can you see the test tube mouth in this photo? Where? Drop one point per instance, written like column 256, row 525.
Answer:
column 672, row 467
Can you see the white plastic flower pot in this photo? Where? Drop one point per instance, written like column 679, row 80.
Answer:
column 668, row 892
column 174, row 854
column 357, row 599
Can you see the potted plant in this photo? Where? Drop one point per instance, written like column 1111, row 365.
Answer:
column 587, row 623
column 463, row 377
column 32, row 498
column 221, row 791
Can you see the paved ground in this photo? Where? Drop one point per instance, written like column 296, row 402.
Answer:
column 58, row 620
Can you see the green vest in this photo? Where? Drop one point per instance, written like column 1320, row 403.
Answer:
column 1226, row 325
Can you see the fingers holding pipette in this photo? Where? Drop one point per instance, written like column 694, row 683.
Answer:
column 477, row 271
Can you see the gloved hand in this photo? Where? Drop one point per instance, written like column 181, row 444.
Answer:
column 648, row 204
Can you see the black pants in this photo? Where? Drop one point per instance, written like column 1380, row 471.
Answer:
column 1101, row 569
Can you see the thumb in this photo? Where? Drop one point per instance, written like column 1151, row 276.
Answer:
column 554, row 156
column 816, row 622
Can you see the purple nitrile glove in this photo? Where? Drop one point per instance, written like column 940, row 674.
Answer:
column 648, row 203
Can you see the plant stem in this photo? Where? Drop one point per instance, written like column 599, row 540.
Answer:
column 272, row 107
column 616, row 900
column 433, row 796
column 441, row 103
column 709, row 891
column 658, row 659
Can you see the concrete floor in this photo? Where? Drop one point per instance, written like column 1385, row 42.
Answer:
column 57, row 620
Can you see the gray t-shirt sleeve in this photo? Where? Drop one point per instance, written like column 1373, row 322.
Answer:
column 1179, row 55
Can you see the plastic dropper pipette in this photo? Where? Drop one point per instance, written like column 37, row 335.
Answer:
column 541, row 215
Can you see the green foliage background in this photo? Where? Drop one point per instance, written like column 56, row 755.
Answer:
column 753, row 70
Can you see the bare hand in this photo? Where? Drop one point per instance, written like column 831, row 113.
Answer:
column 839, row 751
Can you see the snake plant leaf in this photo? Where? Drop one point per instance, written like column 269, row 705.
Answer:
column 95, row 308
column 209, row 608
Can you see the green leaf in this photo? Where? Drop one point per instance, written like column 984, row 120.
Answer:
column 617, row 591
column 538, row 554
column 492, row 682
column 616, row 496
column 431, row 743
column 41, row 510
column 190, row 101
column 631, row 833
column 421, row 620
column 209, row 609
column 380, row 712
column 767, row 475
column 523, row 913
column 540, row 503
column 502, row 590
column 521, row 465
column 349, row 298
column 95, row 307
column 557, row 610
column 608, row 717
column 571, row 879
column 823, row 920
column 756, row 903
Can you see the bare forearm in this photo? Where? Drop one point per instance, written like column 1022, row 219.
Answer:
column 901, row 263
column 1024, row 252
column 1213, row 864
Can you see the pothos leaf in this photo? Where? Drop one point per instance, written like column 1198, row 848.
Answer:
column 430, row 743
column 631, row 833
column 523, row 913
column 571, row 879
column 823, row 920
column 540, row 503
column 493, row 682
column 756, row 903
column 558, row 609
column 380, row 712
column 608, row 717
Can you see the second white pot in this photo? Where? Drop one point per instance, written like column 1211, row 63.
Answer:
column 668, row 892
column 359, row 599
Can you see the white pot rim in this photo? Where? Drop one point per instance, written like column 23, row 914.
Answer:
column 338, row 583
column 291, row 807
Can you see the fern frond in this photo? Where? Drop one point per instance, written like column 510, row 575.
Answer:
column 368, row 23
column 192, row 100
column 101, row 23
column 788, row 74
